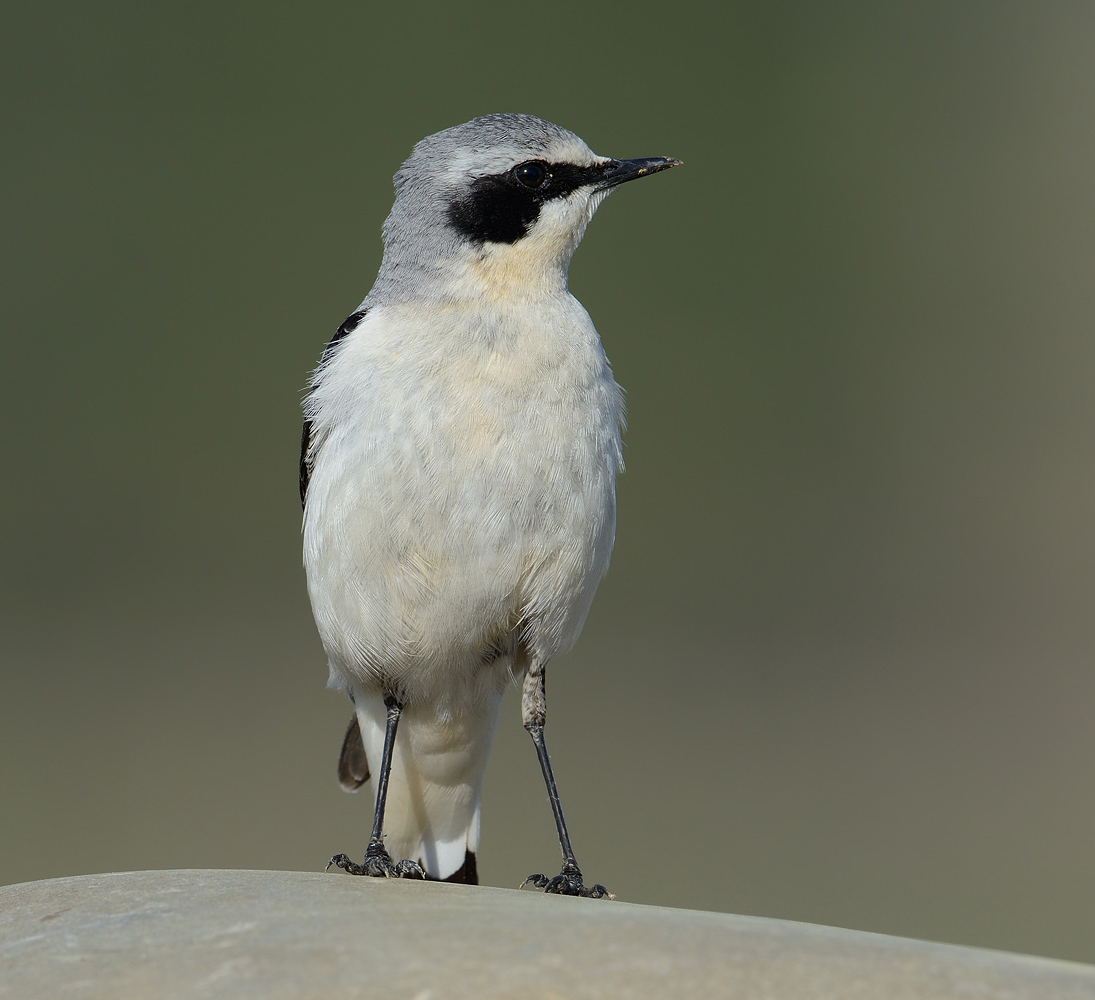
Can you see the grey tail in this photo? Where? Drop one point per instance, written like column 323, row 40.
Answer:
column 466, row 874
column 353, row 765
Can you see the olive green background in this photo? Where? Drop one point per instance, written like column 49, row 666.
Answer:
column 841, row 669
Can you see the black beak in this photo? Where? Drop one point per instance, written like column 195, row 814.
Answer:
column 619, row 171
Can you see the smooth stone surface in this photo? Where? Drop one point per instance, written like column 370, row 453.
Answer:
column 295, row 934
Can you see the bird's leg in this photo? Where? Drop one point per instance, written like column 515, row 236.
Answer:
column 534, row 711
column 377, row 861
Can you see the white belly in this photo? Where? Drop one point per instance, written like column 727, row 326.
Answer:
column 462, row 502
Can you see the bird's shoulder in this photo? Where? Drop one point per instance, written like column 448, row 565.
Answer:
column 309, row 442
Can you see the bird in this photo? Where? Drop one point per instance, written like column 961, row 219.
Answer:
column 461, row 443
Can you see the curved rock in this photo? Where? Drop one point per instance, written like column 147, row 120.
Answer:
column 273, row 935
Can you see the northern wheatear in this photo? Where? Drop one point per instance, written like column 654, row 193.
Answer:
column 458, row 468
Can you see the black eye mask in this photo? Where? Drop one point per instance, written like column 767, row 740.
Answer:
column 501, row 208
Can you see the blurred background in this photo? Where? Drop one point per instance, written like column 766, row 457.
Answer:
column 841, row 670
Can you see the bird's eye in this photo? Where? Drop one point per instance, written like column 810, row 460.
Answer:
column 531, row 174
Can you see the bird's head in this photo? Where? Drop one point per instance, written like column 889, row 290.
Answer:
column 496, row 207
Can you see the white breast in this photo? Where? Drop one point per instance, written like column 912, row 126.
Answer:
column 463, row 494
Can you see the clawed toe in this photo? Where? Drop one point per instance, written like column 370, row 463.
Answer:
column 568, row 883
column 378, row 864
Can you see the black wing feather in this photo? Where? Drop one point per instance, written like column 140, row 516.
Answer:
column 307, row 451
column 353, row 765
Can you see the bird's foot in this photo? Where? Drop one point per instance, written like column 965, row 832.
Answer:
column 378, row 863
column 568, row 883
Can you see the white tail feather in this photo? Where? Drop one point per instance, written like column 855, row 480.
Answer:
column 432, row 810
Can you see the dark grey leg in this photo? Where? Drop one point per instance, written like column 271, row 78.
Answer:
column 378, row 862
column 534, row 710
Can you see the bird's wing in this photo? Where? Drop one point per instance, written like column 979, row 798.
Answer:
column 353, row 765
column 309, row 444
column 307, row 459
